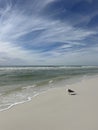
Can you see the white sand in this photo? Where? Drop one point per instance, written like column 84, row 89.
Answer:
column 56, row 110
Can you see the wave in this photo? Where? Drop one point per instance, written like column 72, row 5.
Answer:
column 45, row 67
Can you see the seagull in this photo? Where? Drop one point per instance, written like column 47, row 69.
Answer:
column 71, row 92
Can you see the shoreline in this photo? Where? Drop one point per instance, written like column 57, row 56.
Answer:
column 62, row 83
column 56, row 109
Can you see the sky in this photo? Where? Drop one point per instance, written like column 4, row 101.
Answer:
column 48, row 32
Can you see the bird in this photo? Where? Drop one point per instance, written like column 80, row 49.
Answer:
column 71, row 92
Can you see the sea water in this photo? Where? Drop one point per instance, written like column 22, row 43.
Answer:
column 20, row 84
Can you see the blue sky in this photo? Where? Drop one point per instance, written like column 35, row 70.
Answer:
column 48, row 32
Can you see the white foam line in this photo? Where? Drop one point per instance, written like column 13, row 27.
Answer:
column 29, row 99
column 14, row 104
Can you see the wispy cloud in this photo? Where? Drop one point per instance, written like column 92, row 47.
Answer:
column 29, row 37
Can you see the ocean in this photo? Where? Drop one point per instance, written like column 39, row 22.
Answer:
column 20, row 84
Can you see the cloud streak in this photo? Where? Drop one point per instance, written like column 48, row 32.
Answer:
column 29, row 37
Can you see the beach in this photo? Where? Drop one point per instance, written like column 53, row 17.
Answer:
column 56, row 110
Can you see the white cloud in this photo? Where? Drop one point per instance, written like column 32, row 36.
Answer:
column 15, row 23
column 83, row 57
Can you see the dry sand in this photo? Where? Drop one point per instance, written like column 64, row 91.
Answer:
column 56, row 110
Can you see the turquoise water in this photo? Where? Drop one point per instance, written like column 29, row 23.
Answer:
column 20, row 84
